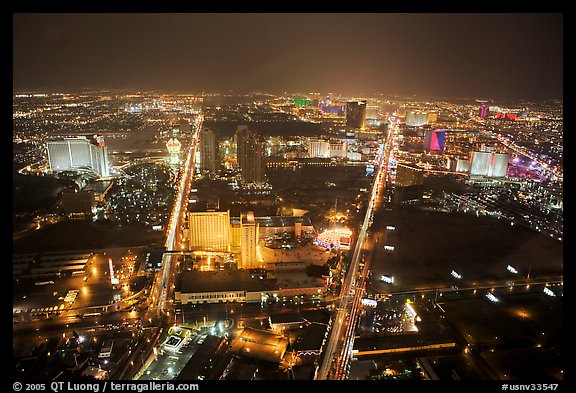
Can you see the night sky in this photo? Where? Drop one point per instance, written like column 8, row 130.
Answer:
column 464, row 55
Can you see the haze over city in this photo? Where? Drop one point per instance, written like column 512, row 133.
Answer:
column 328, row 196
column 503, row 55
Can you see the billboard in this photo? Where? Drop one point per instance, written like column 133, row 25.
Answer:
column 173, row 146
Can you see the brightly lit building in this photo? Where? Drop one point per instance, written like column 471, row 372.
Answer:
column 462, row 165
column 318, row 148
column 79, row 153
column 434, row 141
column 337, row 238
column 208, row 150
column 173, row 145
column 489, row 164
column 356, row 114
column 250, row 155
column 244, row 236
column 416, row 118
column 209, row 231
column 338, row 149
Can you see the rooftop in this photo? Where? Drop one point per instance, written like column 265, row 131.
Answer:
column 194, row 281
column 260, row 344
column 277, row 221
column 99, row 187
column 312, row 338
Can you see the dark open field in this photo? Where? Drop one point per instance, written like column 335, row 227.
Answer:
column 518, row 316
column 85, row 235
column 428, row 245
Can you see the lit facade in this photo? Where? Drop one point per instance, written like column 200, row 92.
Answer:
column 79, row 153
column 416, row 118
column 434, row 141
column 209, row 231
column 249, row 229
column 462, row 165
column 318, row 148
column 489, row 164
column 244, row 236
column 432, row 117
column 173, row 145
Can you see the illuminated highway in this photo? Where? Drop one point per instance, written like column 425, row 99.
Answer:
column 338, row 349
column 165, row 277
column 164, row 280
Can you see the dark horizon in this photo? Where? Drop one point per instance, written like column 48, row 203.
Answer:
column 492, row 56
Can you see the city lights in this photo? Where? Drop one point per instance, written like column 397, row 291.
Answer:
column 255, row 205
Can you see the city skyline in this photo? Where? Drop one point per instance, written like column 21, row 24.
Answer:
column 505, row 56
column 206, row 197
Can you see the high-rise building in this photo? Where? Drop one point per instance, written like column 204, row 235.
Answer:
column 489, row 164
column 318, row 148
column 72, row 153
column 434, row 141
column 407, row 176
column 484, row 111
column 462, row 165
column 209, row 231
column 498, row 165
column 244, row 234
column 356, row 114
column 249, row 153
column 432, row 117
column 208, row 150
column 249, row 229
column 416, row 118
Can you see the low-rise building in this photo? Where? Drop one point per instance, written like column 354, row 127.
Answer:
column 288, row 280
